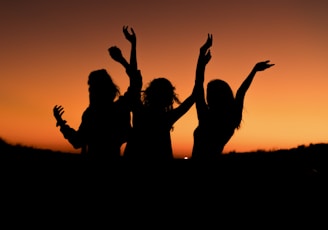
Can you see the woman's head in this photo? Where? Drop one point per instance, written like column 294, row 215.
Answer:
column 160, row 93
column 101, row 87
column 219, row 95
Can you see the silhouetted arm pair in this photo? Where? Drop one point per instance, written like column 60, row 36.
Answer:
column 132, row 67
column 116, row 53
column 133, row 93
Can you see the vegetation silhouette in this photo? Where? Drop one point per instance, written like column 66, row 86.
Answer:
column 221, row 113
column 106, row 122
column 153, row 117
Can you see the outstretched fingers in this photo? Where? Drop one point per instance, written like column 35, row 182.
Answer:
column 268, row 64
column 263, row 65
column 129, row 36
column 58, row 111
column 207, row 44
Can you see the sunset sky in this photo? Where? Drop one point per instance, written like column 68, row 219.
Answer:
column 48, row 49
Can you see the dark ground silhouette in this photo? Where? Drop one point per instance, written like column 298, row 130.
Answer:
column 266, row 181
column 310, row 160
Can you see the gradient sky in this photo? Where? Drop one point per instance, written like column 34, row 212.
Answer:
column 48, row 49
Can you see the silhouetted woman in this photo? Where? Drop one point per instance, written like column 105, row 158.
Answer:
column 106, row 122
column 153, row 117
column 221, row 113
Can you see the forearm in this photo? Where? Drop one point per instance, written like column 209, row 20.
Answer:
column 72, row 136
column 133, row 56
column 117, row 56
column 200, row 71
column 125, row 64
column 183, row 107
column 246, row 83
column 136, row 80
column 199, row 87
column 200, row 102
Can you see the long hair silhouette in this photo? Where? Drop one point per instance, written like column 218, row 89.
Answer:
column 153, row 117
column 160, row 94
column 221, row 113
column 106, row 122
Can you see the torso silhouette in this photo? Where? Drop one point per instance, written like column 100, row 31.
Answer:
column 150, row 137
column 102, row 131
column 106, row 129
column 212, row 134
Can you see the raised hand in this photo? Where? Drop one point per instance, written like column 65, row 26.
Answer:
column 58, row 111
column 131, row 37
column 205, row 53
column 115, row 53
column 260, row 66
column 207, row 44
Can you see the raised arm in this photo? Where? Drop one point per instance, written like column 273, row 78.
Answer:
column 240, row 95
column 203, row 58
column 132, row 38
column 198, row 91
column 130, row 68
column 74, row 137
column 117, row 55
column 182, row 108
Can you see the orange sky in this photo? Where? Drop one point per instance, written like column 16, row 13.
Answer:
column 48, row 49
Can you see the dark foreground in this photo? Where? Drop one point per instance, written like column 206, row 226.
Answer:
column 273, row 185
column 303, row 161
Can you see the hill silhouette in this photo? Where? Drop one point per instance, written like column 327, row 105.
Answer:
column 306, row 160
column 21, row 152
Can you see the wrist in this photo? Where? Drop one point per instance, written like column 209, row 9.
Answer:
column 60, row 123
